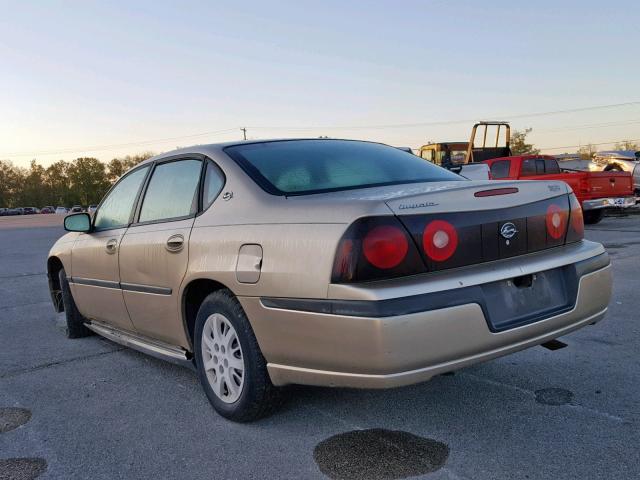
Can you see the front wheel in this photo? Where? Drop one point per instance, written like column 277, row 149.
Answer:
column 231, row 367
column 591, row 217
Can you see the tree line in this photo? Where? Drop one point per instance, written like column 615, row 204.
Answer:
column 82, row 181
column 85, row 180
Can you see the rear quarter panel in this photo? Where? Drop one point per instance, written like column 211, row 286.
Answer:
column 297, row 258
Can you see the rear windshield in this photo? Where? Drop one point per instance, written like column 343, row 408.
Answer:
column 299, row 167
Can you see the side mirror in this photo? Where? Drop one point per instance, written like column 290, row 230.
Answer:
column 77, row 222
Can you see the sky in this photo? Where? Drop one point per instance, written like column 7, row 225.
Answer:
column 111, row 78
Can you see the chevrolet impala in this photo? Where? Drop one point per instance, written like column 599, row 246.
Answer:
column 323, row 262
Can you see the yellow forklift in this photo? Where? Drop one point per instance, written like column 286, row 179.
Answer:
column 493, row 142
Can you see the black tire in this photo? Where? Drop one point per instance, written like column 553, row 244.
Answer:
column 75, row 321
column 591, row 217
column 259, row 397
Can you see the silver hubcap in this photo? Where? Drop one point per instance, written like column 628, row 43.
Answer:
column 222, row 358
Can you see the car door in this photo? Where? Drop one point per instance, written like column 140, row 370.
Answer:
column 95, row 276
column 155, row 249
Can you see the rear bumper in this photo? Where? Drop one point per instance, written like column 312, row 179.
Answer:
column 612, row 202
column 328, row 349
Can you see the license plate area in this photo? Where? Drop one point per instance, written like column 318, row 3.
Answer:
column 527, row 299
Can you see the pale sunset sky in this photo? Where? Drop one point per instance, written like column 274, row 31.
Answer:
column 106, row 79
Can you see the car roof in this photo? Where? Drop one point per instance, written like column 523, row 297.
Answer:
column 217, row 148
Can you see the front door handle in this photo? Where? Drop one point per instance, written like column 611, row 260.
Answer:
column 175, row 243
column 111, row 246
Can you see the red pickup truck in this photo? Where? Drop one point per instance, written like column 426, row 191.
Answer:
column 596, row 191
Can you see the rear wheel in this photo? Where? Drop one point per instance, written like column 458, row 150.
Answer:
column 231, row 367
column 75, row 320
column 591, row 217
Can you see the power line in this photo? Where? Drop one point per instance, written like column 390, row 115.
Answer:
column 584, row 145
column 97, row 148
column 447, row 122
column 587, row 126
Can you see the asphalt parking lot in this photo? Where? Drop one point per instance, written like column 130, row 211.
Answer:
column 92, row 409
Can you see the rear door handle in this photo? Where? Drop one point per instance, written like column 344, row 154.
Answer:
column 112, row 245
column 175, row 243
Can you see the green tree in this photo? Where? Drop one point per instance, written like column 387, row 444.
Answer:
column 88, row 180
column 33, row 191
column 519, row 145
column 118, row 166
column 57, row 183
column 10, row 181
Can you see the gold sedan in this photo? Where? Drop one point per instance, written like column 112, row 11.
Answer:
column 323, row 262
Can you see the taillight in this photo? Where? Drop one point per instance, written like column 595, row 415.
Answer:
column 556, row 220
column 375, row 248
column 385, row 246
column 439, row 240
column 576, row 220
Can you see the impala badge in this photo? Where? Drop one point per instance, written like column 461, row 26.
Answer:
column 508, row 230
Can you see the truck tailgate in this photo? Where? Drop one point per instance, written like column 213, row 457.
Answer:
column 609, row 184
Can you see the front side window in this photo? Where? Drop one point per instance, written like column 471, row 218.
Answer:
column 172, row 191
column 500, row 169
column 302, row 167
column 115, row 210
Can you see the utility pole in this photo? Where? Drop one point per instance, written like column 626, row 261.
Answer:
column 244, row 132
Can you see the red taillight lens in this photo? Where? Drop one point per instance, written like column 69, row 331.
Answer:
column 576, row 223
column 344, row 264
column 439, row 240
column 556, row 220
column 385, row 246
column 376, row 248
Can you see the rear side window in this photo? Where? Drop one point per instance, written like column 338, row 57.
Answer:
column 500, row 169
column 172, row 192
column 213, row 183
column 115, row 210
column 551, row 166
column 299, row 167
column 428, row 155
column 528, row 167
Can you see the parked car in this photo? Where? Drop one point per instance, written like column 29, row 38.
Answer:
column 3, row 211
column 47, row 210
column 30, row 210
column 61, row 210
column 324, row 262
column 76, row 209
column 596, row 191
column 11, row 212
column 621, row 161
column 92, row 209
